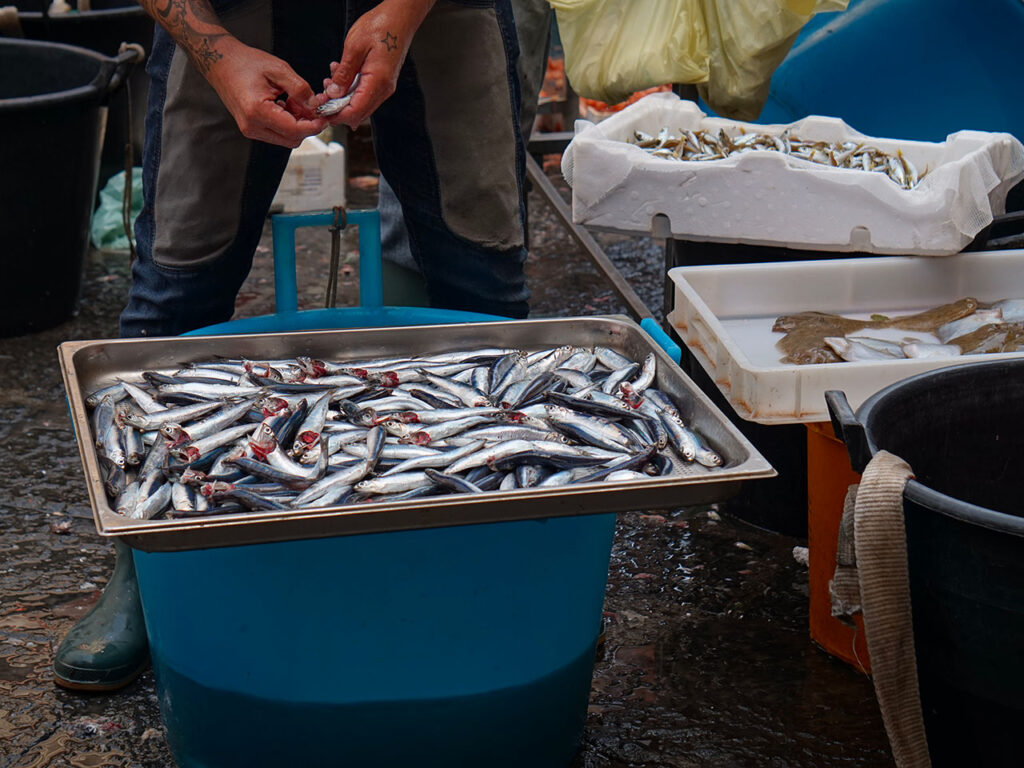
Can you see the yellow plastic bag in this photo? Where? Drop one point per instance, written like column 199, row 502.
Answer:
column 748, row 40
column 616, row 47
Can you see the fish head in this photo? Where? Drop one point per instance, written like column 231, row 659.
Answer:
column 192, row 477
column 387, row 379
column 185, row 453
column 174, row 434
column 312, row 367
column 270, row 405
column 629, row 396
column 263, row 441
column 415, row 438
column 395, row 427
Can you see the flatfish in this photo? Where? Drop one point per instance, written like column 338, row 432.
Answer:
column 804, row 342
column 993, row 337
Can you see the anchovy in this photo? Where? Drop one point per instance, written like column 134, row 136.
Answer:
column 157, row 419
column 435, row 459
column 646, row 376
column 211, row 391
column 615, row 378
column 405, row 481
column 145, row 401
column 434, row 432
column 191, row 451
column 225, row 417
column 681, row 438
column 114, row 477
column 293, row 434
column 116, row 393
column 590, row 430
column 452, row 482
column 147, row 507
column 468, row 395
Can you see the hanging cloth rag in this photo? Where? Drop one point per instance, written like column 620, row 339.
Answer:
column 871, row 577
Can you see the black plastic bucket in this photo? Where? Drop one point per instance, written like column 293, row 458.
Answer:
column 102, row 28
column 961, row 429
column 52, row 111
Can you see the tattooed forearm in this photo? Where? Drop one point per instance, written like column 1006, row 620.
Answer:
column 194, row 27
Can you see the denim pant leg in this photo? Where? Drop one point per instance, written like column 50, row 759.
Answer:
column 533, row 30
column 207, row 188
column 448, row 143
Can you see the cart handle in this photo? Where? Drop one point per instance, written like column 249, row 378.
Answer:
column 662, row 339
column 283, row 226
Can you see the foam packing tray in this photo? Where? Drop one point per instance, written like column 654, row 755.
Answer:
column 769, row 198
column 724, row 316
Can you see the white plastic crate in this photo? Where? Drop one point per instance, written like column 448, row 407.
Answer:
column 724, row 315
column 770, row 198
column 314, row 179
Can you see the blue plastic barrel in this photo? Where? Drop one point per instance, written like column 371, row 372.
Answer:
column 468, row 645
column 910, row 69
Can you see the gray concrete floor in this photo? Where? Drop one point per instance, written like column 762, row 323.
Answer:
column 707, row 660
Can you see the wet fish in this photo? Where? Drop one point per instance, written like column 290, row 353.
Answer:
column 705, row 144
column 853, row 351
column 805, row 332
column 967, row 324
column 234, row 435
column 923, row 349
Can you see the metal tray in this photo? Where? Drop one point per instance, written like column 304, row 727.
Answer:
column 88, row 365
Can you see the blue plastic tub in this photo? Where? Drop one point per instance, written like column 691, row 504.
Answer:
column 462, row 646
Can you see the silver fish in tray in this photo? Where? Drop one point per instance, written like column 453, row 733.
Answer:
column 225, row 436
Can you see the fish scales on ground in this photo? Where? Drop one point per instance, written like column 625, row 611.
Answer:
column 234, row 435
column 962, row 327
column 705, row 145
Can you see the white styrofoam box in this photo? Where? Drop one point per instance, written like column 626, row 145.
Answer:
column 769, row 198
column 724, row 315
column 314, row 179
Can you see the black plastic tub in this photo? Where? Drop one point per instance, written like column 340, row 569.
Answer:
column 961, row 429
column 102, row 28
column 52, row 111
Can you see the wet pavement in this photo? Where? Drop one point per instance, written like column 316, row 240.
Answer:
column 707, row 660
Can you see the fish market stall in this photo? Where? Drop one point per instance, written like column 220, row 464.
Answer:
column 468, row 573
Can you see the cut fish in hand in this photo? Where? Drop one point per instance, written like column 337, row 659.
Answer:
column 334, row 106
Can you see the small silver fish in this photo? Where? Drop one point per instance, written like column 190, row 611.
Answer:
column 334, row 106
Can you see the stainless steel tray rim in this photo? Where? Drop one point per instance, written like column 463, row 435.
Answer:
column 97, row 357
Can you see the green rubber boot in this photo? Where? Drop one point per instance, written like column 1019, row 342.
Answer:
column 107, row 648
column 403, row 287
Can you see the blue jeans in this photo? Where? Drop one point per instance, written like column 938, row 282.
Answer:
column 447, row 142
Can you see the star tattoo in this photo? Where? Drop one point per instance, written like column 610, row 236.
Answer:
column 390, row 41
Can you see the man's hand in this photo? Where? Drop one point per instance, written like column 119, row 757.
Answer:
column 249, row 81
column 375, row 49
column 268, row 100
